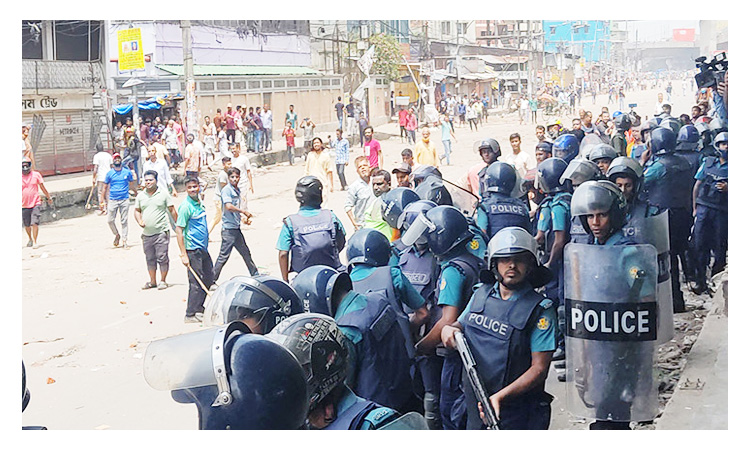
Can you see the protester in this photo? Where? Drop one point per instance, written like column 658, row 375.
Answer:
column 288, row 134
column 341, row 146
column 372, row 149
column 246, row 174
column 102, row 164
column 358, row 194
column 31, row 183
column 425, row 151
column 152, row 207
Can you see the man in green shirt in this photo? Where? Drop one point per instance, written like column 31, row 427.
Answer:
column 151, row 208
column 381, row 183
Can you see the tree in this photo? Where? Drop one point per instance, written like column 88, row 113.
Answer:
column 388, row 56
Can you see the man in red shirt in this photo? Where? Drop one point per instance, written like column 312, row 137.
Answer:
column 402, row 120
column 372, row 150
column 31, row 182
column 231, row 119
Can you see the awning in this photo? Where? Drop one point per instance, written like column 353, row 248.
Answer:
column 207, row 70
column 487, row 75
column 505, row 59
column 151, row 104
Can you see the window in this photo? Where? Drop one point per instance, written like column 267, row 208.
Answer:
column 266, row 84
column 335, row 82
column 291, row 83
column 254, row 84
column 206, row 86
column 304, row 83
column 325, row 82
column 239, row 85
column 445, row 27
column 314, row 82
column 461, row 28
column 77, row 40
column 279, row 83
column 552, row 30
column 31, row 39
column 223, row 86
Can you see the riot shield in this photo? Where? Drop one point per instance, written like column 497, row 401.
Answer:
column 612, row 321
column 655, row 231
column 589, row 142
column 409, row 421
column 463, row 199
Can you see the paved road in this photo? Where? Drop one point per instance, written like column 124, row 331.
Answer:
column 86, row 323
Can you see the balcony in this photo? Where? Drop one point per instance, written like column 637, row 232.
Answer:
column 68, row 75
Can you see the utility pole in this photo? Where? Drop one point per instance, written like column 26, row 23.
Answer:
column 187, row 53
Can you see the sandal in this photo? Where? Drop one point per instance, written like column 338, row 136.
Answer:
column 148, row 285
column 162, row 285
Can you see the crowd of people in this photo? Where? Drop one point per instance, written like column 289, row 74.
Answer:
column 375, row 339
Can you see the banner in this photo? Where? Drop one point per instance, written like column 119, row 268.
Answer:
column 365, row 62
column 129, row 50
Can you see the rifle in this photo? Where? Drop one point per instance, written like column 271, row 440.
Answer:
column 470, row 365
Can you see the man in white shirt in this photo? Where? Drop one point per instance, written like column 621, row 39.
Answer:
column 659, row 107
column 102, row 165
column 246, row 175
column 266, row 117
column 518, row 159
column 160, row 166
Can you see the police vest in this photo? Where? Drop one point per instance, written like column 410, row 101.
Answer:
column 313, row 241
column 421, row 271
column 378, row 286
column 361, row 411
column 633, row 228
column 503, row 211
column 499, row 335
column 578, row 234
column 709, row 195
column 468, row 266
column 693, row 158
column 384, row 374
column 673, row 190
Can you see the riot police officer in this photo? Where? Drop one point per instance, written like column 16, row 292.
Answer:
column 260, row 302
column 500, row 206
column 237, row 380
column 710, row 203
column 379, row 367
column 419, row 174
column 313, row 235
column 602, row 155
column 578, row 172
column 619, row 142
column 447, row 231
column 319, row 346
column 510, row 329
column 393, row 203
column 627, row 174
column 609, row 365
column 666, row 185
column 553, row 231
column 687, row 146
column 565, row 147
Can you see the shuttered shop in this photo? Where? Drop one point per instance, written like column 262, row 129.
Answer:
column 65, row 142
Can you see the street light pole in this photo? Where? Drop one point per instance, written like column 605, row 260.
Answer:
column 187, row 52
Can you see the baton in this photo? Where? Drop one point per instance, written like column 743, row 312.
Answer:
column 88, row 200
column 199, row 280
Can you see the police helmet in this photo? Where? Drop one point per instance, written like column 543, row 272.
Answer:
column 394, row 202
column 623, row 166
column 647, row 127
column 501, row 178
column 318, row 344
column 262, row 300
column 717, row 125
column 597, row 197
column 702, row 128
column 236, row 379
column 25, row 394
column 514, row 241
column 672, row 124
column 565, row 147
column 721, row 137
column 309, row 191
column 687, row 138
column 600, row 151
column 548, row 174
column 369, row 247
column 433, row 189
column 488, row 144
column 554, row 121
column 419, row 174
column 318, row 285
column 444, row 227
column 411, row 212
column 663, row 141
column 623, row 122
column 545, row 147
column 580, row 170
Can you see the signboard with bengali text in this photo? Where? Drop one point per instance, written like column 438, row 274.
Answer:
column 130, row 49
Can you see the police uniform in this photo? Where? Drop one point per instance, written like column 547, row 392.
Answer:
column 356, row 413
column 502, row 335
column 710, row 232
column 312, row 236
column 379, row 367
column 477, row 245
column 497, row 211
column 459, row 272
column 666, row 185
column 619, row 143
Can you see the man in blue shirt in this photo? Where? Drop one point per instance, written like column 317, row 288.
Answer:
column 192, row 238
column 118, row 181
column 342, row 156
column 231, row 235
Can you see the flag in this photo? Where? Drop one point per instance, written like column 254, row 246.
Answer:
column 366, row 60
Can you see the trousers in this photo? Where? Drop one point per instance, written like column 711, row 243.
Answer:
column 233, row 239
column 201, row 263
column 342, row 177
column 452, row 407
column 710, row 235
column 121, row 206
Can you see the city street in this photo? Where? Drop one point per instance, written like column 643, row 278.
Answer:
column 86, row 322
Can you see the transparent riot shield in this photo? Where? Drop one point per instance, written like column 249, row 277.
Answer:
column 612, row 322
column 589, row 142
column 409, row 421
column 463, row 199
column 656, row 232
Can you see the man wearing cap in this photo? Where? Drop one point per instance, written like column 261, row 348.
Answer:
column 31, row 182
column 119, row 180
column 402, row 175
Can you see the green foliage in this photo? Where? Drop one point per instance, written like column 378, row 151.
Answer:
column 387, row 56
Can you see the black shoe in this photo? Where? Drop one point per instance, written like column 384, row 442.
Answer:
column 559, row 355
